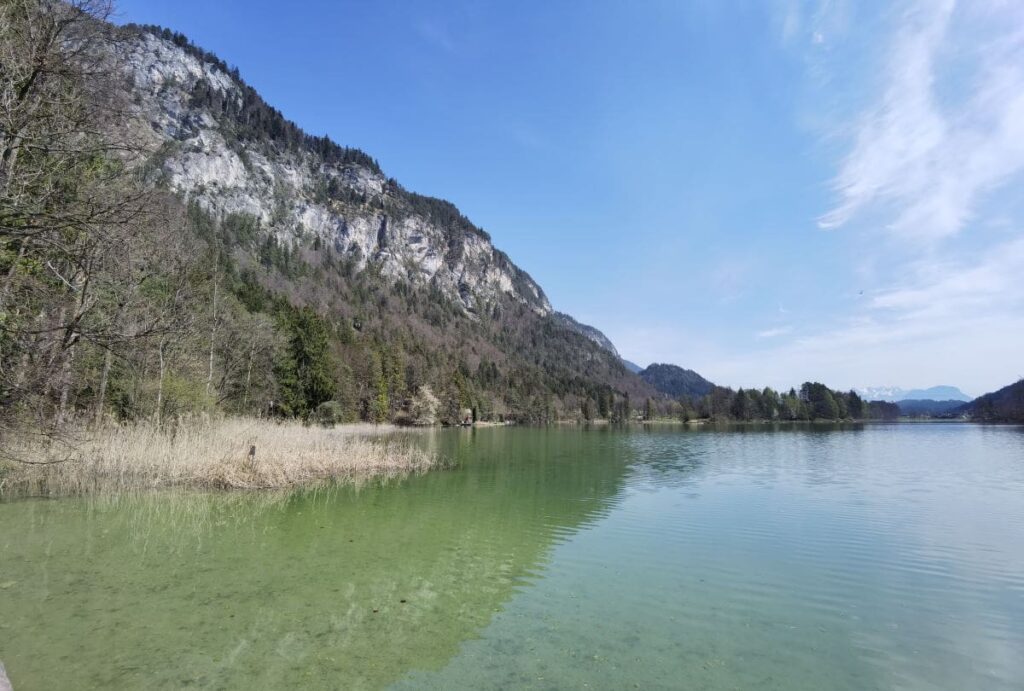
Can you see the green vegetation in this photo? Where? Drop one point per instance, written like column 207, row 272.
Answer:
column 255, row 119
column 120, row 303
column 676, row 382
column 1004, row 405
column 813, row 401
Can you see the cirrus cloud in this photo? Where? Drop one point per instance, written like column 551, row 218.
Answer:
column 948, row 127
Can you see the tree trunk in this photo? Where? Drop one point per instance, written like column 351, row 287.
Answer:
column 9, row 278
column 65, row 385
column 213, row 334
column 108, row 358
column 160, row 385
column 248, row 373
column 21, row 375
column 55, row 350
column 10, row 159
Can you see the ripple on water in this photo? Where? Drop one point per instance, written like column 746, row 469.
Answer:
column 797, row 558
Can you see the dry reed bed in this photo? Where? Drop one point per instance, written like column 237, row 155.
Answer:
column 207, row 454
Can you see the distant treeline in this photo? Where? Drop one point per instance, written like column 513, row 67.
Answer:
column 813, row 401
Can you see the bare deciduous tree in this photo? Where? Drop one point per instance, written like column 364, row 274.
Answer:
column 76, row 223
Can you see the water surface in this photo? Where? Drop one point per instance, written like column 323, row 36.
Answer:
column 886, row 556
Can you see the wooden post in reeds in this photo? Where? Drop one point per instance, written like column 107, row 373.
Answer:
column 252, row 457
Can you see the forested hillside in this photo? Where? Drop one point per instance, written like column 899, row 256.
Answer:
column 172, row 244
column 676, row 382
column 1004, row 405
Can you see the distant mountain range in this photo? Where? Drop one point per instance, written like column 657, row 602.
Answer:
column 894, row 394
column 1004, row 405
column 928, row 408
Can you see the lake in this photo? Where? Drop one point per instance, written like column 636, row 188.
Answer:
column 845, row 557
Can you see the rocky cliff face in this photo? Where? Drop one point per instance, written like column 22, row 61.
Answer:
column 220, row 146
column 590, row 332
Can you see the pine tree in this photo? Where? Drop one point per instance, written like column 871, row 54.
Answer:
column 306, row 371
column 381, row 402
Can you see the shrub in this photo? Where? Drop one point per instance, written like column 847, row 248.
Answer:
column 329, row 413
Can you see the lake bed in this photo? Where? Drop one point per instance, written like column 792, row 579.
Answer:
column 844, row 557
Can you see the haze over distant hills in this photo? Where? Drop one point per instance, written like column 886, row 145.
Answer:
column 911, row 407
column 894, row 394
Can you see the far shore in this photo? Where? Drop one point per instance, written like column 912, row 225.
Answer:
column 697, row 422
column 249, row 454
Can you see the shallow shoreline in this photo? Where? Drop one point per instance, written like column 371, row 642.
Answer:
column 219, row 454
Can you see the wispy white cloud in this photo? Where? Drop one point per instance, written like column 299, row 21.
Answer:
column 436, row 34
column 927, row 99
column 944, row 133
column 773, row 333
column 952, row 322
column 949, row 126
column 791, row 20
column 949, row 321
column 729, row 277
column 813, row 20
column 946, row 289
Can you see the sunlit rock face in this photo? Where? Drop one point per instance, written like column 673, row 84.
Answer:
column 295, row 193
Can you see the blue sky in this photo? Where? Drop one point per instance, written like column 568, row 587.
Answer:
column 766, row 192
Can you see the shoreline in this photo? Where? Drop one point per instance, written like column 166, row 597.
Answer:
column 203, row 454
column 226, row 454
column 669, row 422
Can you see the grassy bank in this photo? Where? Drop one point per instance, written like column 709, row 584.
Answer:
column 204, row 454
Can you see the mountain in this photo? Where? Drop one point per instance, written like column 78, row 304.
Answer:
column 222, row 147
column 632, row 366
column 676, row 382
column 224, row 259
column 936, row 393
column 313, row 202
column 1004, row 405
column 896, row 394
column 589, row 331
column 928, row 408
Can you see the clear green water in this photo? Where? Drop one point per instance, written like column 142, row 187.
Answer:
column 855, row 558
